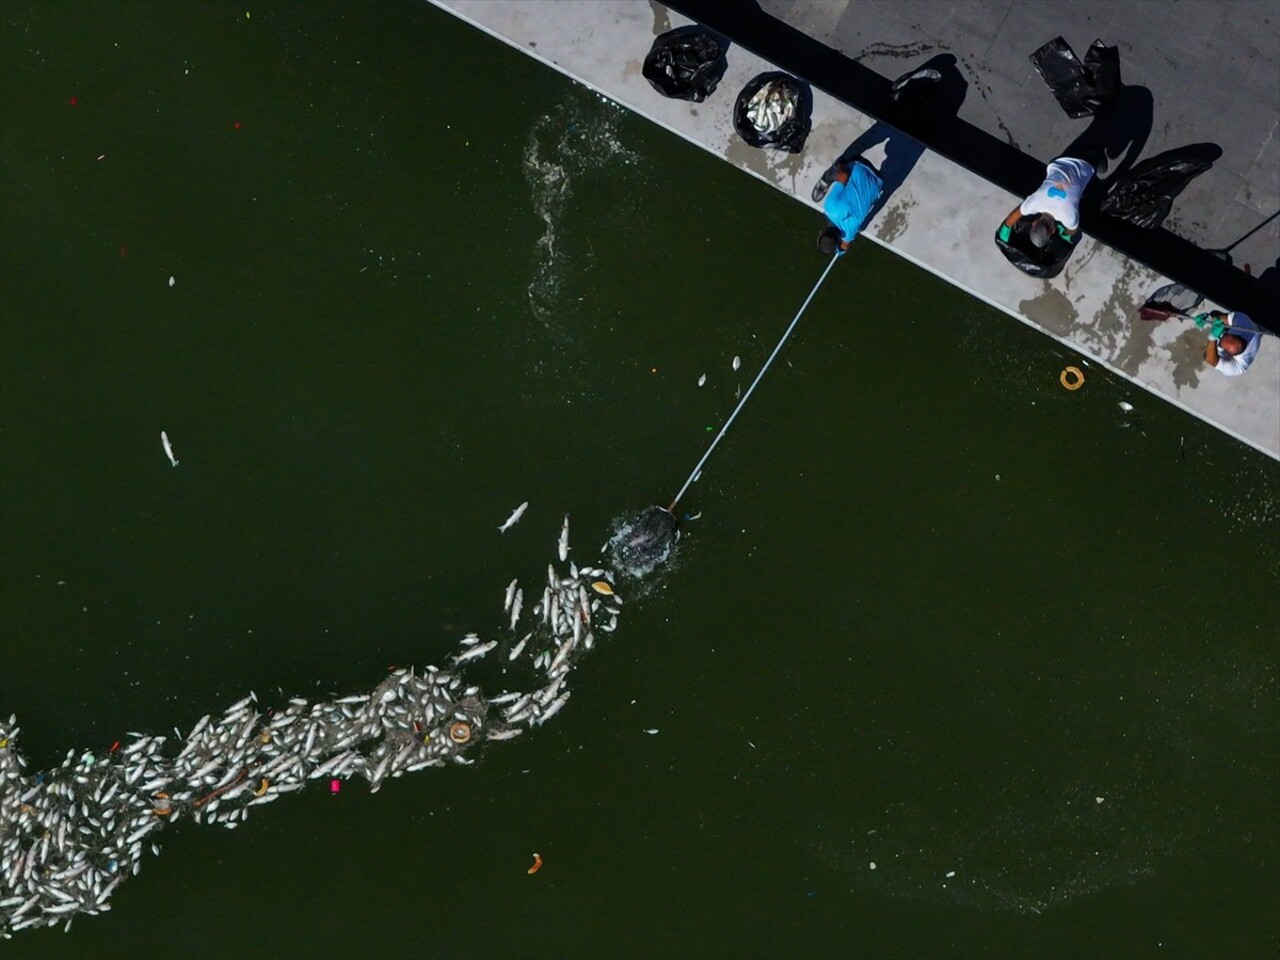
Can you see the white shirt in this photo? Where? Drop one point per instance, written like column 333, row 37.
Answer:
column 1234, row 366
column 1059, row 195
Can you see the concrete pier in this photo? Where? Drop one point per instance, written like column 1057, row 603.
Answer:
column 936, row 213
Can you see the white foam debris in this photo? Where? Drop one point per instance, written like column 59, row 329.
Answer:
column 950, row 874
column 873, row 864
column 651, row 731
column 172, row 281
column 702, row 380
column 1126, row 407
column 1099, row 799
column 737, row 362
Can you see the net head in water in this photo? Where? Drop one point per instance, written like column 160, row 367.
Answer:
column 644, row 541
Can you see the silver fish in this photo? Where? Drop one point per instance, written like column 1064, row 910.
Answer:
column 168, row 448
column 514, row 518
column 563, row 545
column 552, row 710
column 516, row 606
column 475, row 652
column 511, row 592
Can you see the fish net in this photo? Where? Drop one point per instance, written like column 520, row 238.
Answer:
column 643, row 542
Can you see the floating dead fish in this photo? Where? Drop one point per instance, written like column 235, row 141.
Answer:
column 602, row 586
column 563, row 544
column 1126, row 407
column 512, row 520
column 168, row 448
column 702, row 380
column 511, row 592
column 737, row 362
column 517, row 605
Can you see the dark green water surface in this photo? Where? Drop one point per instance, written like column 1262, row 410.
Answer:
column 938, row 614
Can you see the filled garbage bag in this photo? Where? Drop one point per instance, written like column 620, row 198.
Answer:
column 1144, row 195
column 1044, row 262
column 685, row 64
column 1080, row 88
column 773, row 110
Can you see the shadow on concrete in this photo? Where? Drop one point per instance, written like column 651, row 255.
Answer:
column 940, row 99
column 991, row 158
column 1266, row 304
column 1116, row 136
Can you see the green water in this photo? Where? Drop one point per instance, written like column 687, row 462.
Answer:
column 936, row 606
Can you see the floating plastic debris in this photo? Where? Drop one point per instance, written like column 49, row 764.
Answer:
column 1126, row 407
column 172, row 281
column 702, row 380
column 737, row 362
column 537, row 865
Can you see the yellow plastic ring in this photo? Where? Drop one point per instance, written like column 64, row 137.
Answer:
column 1071, row 378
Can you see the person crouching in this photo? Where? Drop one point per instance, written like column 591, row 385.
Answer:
column 855, row 188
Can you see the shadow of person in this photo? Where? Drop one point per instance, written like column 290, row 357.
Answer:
column 1266, row 298
column 930, row 94
column 1117, row 135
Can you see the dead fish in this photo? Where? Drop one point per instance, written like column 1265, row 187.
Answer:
column 168, row 448
column 563, row 545
column 737, row 362
column 474, row 652
column 516, row 606
column 1126, row 407
column 702, row 380
column 514, row 518
column 511, row 592
column 518, row 649
column 602, row 586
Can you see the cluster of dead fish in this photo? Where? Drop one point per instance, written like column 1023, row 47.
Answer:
column 70, row 835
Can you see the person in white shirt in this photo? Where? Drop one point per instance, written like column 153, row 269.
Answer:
column 1055, row 205
column 1232, row 353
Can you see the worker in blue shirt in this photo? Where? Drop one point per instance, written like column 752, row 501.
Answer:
column 855, row 187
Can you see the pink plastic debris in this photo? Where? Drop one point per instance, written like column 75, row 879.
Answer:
column 335, row 786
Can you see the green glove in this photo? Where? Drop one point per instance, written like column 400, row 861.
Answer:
column 1004, row 233
column 1064, row 233
column 1218, row 328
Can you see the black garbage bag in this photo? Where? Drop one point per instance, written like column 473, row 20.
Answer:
column 774, row 110
column 1044, row 262
column 1081, row 88
column 685, row 64
column 1144, row 195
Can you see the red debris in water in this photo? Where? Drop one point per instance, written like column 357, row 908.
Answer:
column 335, row 786
column 114, row 747
column 73, row 102
column 237, row 124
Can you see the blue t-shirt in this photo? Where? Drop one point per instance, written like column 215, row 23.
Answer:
column 847, row 204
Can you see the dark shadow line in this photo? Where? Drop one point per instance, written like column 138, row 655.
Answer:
column 958, row 140
column 1242, row 239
